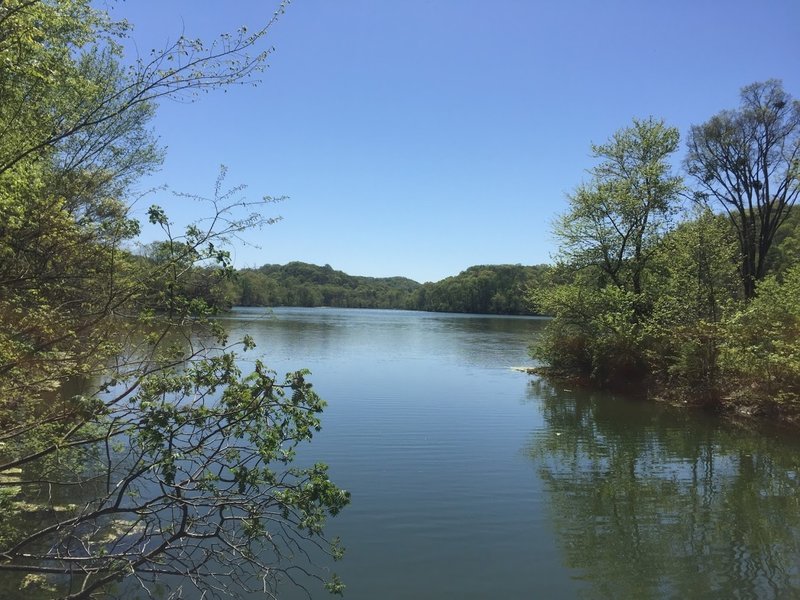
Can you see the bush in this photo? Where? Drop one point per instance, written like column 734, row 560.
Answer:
column 762, row 342
column 593, row 333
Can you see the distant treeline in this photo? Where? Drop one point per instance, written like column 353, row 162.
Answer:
column 486, row 289
column 490, row 289
column 303, row 284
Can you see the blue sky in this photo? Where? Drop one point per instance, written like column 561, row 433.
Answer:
column 420, row 137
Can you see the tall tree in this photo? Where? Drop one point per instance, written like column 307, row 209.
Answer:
column 614, row 220
column 748, row 161
column 609, row 236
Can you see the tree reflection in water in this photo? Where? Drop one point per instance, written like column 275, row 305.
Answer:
column 652, row 502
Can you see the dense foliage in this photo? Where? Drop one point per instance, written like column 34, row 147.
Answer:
column 698, row 305
column 488, row 289
column 134, row 453
column 303, row 284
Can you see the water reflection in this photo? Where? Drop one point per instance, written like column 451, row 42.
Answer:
column 649, row 502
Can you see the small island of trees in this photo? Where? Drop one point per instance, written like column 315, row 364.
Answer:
column 691, row 287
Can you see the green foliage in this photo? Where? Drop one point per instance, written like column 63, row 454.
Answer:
column 615, row 220
column 609, row 236
column 63, row 87
column 638, row 296
column 485, row 289
column 131, row 445
column 183, row 442
column 303, row 284
column 762, row 341
column 488, row 289
column 693, row 284
column 595, row 333
column 54, row 294
column 785, row 250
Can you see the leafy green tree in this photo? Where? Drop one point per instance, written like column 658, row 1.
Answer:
column 255, row 289
column 762, row 345
column 181, row 464
column 695, row 282
column 614, row 220
column 303, row 284
column 482, row 289
column 747, row 161
column 191, row 451
column 637, row 298
column 594, row 333
column 609, row 236
column 53, row 289
column 785, row 251
column 64, row 87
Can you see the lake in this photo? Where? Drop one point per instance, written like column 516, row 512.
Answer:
column 472, row 480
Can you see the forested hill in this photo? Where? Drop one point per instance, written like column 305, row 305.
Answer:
column 491, row 289
column 484, row 289
column 303, row 284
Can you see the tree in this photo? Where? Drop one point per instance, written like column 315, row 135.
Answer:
column 482, row 289
column 614, row 220
column 75, row 134
column 609, row 236
column 186, row 458
column 131, row 443
column 64, row 87
column 748, row 160
column 762, row 344
column 785, row 250
column 635, row 298
column 695, row 283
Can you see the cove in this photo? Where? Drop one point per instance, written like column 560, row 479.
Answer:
column 472, row 480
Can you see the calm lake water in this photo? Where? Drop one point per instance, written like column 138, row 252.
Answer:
column 472, row 480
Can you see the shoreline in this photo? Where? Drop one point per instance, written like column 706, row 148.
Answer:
column 739, row 408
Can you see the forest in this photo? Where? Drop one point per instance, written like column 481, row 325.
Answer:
column 485, row 289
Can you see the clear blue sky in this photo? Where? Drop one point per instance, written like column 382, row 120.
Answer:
column 420, row 137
